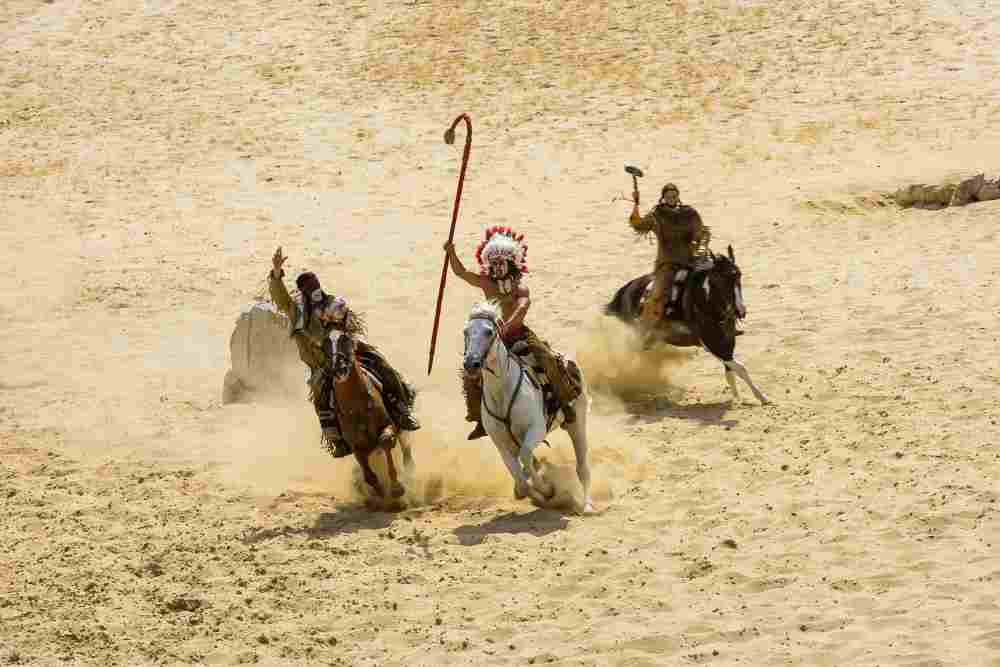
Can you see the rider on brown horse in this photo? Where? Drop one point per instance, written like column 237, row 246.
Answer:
column 681, row 237
column 501, row 257
column 312, row 320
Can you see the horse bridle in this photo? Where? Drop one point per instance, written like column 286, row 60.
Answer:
column 338, row 355
column 505, row 420
column 730, row 313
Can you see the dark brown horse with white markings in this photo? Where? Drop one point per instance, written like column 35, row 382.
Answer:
column 712, row 302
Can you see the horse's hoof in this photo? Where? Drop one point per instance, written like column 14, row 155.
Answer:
column 538, row 498
column 398, row 491
column 588, row 509
column 519, row 492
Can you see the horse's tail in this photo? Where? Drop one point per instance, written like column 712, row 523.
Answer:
column 626, row 300
column 614, row 308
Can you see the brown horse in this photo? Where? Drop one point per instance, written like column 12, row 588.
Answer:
column 364, row 420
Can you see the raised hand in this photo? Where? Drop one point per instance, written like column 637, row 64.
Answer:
column 277, row 260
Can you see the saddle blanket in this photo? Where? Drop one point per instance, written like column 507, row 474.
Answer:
column 538, row 377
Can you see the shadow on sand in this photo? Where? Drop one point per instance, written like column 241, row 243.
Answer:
column 346, row 520
column 539, row 522
column 656, row 409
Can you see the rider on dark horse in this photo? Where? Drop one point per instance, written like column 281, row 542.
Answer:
column 502, row 264
column 312, row 319
column 682, row 238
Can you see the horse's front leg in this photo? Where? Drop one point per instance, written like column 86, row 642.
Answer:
column 741, row 370
column 386, row 440
column 539, row 485
column 370, row 477
column 507, row 454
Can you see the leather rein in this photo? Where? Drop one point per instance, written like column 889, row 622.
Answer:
column 505, row 420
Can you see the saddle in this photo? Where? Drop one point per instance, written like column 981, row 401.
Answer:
column 697, row 272
column 537, row 376
column 701, row 266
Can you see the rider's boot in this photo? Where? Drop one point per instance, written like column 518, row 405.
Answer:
column 569, row 413
column 472, row 387
column 671, row 309
column 332, row 439
column 401, row 414
column 324, row 402
column 395, row 391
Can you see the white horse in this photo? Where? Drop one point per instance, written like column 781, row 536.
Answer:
column 513, row 411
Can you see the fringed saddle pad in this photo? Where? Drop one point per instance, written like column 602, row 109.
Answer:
column 536, row 372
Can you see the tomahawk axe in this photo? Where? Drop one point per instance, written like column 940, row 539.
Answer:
column 635, row 171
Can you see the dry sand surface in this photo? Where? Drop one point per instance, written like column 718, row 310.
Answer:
column 155, row 153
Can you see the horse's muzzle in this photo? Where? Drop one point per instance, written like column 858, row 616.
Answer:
column 340, row 370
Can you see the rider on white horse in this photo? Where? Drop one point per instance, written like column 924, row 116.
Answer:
column 501, row 257
column 515, row 407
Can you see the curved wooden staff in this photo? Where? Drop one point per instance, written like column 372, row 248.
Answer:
column 449, row 138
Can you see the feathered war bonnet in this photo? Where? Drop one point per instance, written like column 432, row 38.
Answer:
column 502, row 243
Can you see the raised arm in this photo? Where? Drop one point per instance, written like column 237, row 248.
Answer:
column 276, row 286
column 457, row 268
column 641, row 223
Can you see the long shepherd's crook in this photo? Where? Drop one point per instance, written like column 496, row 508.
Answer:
column 449, row 138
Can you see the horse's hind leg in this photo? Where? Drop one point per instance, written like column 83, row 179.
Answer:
column 404, row 444
column 578, row 434
column 740, row 369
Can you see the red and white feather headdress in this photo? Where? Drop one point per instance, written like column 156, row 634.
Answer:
column 502, row 243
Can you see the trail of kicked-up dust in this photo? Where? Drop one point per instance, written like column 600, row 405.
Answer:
column 273, row 444
column 616, row 367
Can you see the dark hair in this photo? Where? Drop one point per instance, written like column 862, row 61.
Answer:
column 305, row 279
column 307, row 283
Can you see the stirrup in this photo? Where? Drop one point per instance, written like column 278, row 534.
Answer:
column 341, row 449
column 408, row 422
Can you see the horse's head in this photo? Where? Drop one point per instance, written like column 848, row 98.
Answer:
column 344, row 347
column 726, row 280
column 481, row 331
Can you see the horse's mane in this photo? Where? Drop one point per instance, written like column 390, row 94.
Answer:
column 353, row 324
column 488, row 309
column 722, row 261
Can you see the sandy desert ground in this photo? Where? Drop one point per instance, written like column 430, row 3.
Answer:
column 154, row 153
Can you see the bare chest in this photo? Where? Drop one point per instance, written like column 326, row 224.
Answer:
column 492, row 292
